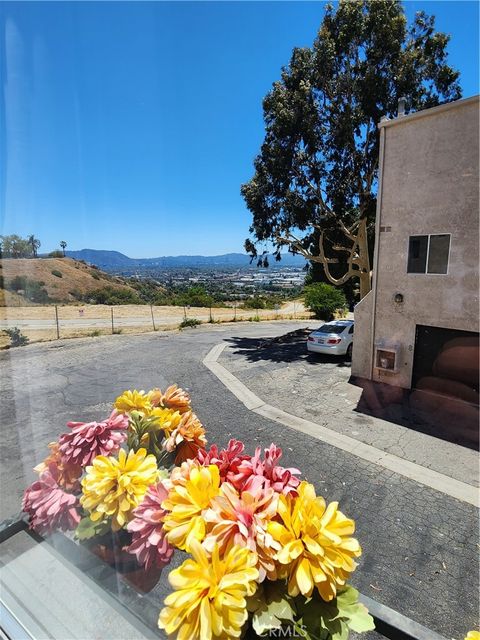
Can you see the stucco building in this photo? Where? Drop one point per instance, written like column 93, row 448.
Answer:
column 418, row 327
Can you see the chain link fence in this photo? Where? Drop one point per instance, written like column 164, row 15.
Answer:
column 40, row 323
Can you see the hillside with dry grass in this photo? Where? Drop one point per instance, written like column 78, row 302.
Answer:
column 61, row 279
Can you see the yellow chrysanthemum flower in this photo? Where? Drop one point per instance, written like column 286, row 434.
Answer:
column 473, row 635
column 115, row 487
column 133, row 401
column 209, row 600
column 186, row 500
column 166, row 419
column 317, row 547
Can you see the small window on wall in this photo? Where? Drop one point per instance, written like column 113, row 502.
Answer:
column 429, row 254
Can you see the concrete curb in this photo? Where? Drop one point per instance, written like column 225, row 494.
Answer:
column 428, row 477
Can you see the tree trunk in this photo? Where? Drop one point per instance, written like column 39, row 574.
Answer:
column 364, row 259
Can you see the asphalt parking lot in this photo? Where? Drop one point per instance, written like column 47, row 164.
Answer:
column 420, row 546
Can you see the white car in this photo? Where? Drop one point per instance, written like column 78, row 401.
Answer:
column 334, row 338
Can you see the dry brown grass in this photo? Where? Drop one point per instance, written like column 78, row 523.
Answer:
column 127, row 319
column 75, row 276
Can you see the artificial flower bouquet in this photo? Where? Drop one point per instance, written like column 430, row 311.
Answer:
column 264, row 553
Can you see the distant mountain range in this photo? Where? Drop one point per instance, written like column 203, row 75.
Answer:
column 114, row 260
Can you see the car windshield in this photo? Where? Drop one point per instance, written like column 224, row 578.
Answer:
column 332, row 328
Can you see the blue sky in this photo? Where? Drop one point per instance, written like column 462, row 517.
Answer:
column 130, row 126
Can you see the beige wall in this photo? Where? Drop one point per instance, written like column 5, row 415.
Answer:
column 362, row 343
column 429, row 185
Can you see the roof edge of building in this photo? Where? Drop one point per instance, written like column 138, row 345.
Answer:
column 428, row 112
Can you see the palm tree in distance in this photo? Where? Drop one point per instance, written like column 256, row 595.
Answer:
column 35, row 244
column 63, row 244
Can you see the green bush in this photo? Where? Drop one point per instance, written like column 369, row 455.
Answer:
column 112, row 296
column 324, row 300
column 254, row 303
column 196, row 297
column 56, row 254
column 33, row 289
column 17, row 339
column 18, row 283
column 189, row 322
column 76, row 294
column 57, row 274
column 262, row 302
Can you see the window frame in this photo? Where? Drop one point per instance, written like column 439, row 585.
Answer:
column 429, row 235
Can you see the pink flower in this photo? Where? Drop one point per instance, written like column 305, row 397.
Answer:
column 227, row 460
column 254, row 474
column 149, row 542
column 87, row 440
column 48, row 505
column 242, row 520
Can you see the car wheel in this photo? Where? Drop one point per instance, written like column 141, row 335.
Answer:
column 349, row 351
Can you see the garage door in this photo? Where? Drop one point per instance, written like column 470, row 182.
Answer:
column 446, row 361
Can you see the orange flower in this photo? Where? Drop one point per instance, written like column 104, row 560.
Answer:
column 68, row 473
column 175, row 398
column 187, row 438
column 155, row 396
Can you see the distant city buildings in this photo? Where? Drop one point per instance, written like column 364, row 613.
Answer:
column 235, row 282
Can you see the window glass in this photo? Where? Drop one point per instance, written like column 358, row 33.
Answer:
column 417, row 254
column 332, row 328
column 438, row 253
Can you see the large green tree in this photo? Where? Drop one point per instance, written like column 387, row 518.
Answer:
column 14, row 246
column 315, row 181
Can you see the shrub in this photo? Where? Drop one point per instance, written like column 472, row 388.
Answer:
column 189, row 322
column 95, row 275
column 262, row 302
column 57, row 274
column 254, row 303
column 324, row 300
column 76, row 294
column 17, row 339
column 33, row 289
column 56, row 254
column 18, row 283
column 110, row 295
column 196, row 297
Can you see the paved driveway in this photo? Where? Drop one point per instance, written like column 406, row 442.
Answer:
column 419, row 546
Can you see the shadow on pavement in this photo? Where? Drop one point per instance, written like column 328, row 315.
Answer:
column 434, row 414
column 289, row 347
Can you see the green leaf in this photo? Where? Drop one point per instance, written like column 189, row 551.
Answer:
column 273, row 607
column 333, row 620
column 87, row 529
column 354, row 612
column 319, row 618
column 163, row 473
